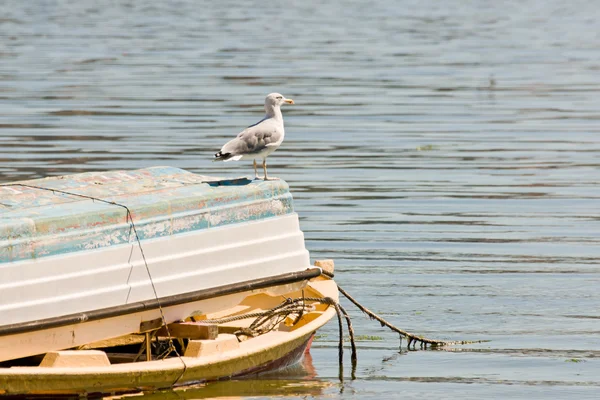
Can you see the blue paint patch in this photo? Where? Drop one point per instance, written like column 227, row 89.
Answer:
column 164, row 201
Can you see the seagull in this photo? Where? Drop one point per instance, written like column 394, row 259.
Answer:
column 258, row 140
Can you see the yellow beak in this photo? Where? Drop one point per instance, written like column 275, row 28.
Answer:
column 289, row 101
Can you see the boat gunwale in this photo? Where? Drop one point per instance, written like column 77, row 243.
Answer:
column 156, row 303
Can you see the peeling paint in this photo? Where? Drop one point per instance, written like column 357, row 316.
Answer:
column 163, row 201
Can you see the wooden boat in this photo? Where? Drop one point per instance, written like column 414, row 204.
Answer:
column 107, row 260
column 111, row 370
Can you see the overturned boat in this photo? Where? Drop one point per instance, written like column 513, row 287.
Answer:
column 123, row 280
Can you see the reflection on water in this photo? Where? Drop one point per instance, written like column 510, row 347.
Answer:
column 264, row 388
column 446, row 155
column 297, row 380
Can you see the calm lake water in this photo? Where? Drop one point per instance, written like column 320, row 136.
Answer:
column 445, row 154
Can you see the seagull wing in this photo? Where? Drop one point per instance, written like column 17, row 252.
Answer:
column 254, row 139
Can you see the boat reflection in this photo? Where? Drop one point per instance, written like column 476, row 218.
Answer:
column 296, row 380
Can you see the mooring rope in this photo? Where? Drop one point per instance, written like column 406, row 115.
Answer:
column 353, row 356
column 411, row 337
column 129, row 217
column 288, row 307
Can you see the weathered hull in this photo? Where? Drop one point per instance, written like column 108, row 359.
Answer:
column 65, row 256
column 289, row 359
column 269, row 351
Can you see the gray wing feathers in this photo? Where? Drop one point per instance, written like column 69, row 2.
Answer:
column 254, row 139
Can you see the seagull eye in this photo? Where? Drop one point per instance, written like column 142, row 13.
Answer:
column 279, row 97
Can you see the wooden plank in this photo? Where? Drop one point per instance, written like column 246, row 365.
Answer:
column 114, row 342
column 229, row 329
column 222, row 344
column 190, row 330
column 75, row 359
column 153, row 324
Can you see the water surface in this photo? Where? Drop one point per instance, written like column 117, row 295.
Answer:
column 445, row 154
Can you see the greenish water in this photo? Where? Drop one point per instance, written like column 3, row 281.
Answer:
column 445, row 154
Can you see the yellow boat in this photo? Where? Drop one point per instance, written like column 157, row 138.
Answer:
column 108, row 367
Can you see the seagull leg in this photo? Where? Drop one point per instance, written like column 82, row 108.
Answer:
column 265, row 169
column 255, row 171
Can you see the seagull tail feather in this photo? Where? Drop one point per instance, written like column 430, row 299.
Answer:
column 220, row 156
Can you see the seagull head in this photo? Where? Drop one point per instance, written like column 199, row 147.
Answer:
column 276, row 100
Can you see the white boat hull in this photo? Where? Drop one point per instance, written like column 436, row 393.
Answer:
column 108, row 277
